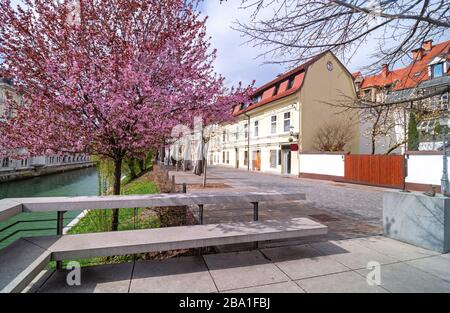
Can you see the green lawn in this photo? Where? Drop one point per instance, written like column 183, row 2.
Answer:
column 100, row 220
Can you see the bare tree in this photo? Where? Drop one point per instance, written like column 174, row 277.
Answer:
column 333, row 137
column 300, row 29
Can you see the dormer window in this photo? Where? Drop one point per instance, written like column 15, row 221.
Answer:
column 290, row 83
column 276, row 89
column 256, row 99
column 437, row 70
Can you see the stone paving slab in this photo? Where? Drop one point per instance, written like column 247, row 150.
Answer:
column 303, row 262
column 287, row 287
column 393, row 248
column 95, row 279
column 346, row 282
column 401, row 277
column 179, row 275
column 438, row 266
column 242, row 269
column 351, row 254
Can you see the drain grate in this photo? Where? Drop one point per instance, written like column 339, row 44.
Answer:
column 324, row 217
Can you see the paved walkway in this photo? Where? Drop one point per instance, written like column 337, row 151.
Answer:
column 335, row 266
column 348, row 210
column 333, row 263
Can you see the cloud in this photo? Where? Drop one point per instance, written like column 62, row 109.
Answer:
column 238, row 61
column 235, row 59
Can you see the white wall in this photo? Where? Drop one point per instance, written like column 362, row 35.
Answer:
column 424, row 169
column 323, row 164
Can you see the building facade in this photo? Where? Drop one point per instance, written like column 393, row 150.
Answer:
column 427, row 74
column 283, row 118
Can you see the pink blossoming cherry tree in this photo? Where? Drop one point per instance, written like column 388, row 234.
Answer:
column 107, row 77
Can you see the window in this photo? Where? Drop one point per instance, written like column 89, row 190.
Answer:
column 224, row 135
column 237, row 132
column 273, row 124
column 444, row 100
column 290, row 83
column 246, row 131
column 24, row 162
column 223, row 156
column 5, row 162
column 276, row 89
column 256, row 98
column 438, row 70
column 256, row 128
column 228, row 157
column 245, row 157
column 273, row 158
column 287, row 121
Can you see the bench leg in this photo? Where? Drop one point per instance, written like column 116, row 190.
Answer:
column 59, row 232
column 255, row 211
column 200, row 220
column 255, row 218
column 200, row 214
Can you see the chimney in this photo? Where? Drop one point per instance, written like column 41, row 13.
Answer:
column 384, row 70
column 427, row 45
column 417, row 54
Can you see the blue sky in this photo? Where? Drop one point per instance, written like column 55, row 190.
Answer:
column 236, row 60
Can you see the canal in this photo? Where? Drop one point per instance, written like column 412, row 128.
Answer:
column 82, row 182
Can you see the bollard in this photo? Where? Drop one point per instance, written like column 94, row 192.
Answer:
column 255, row 218
column 59, row 232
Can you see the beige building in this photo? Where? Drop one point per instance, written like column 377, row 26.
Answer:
column 284, row 117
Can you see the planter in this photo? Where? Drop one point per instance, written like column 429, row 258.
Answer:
column 417, row 219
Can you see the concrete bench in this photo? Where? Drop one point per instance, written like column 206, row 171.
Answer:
column 12, row 206
column 21, row 261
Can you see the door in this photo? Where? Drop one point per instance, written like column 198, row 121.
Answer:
column 257, row 160
column 236, row 150
column 286, row 162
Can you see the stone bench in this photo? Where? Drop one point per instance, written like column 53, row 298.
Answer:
column 24, row 259
column 13, row 206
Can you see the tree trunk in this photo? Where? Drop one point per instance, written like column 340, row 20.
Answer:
column 117, row 177
column 204, row 172
column 142, row 165
column 132, row 167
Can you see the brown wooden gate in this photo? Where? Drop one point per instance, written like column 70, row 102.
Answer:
column 380, row 170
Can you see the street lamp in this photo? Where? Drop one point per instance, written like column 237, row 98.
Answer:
column 444, row 121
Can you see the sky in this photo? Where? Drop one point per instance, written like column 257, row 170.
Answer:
column 237, row 60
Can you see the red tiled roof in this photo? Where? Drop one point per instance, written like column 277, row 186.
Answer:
column 267, row 90
column 410, row 76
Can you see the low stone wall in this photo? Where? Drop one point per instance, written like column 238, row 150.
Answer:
column 417, row 219
column 41, row 171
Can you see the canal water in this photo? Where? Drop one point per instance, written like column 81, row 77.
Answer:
column 82, row 182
